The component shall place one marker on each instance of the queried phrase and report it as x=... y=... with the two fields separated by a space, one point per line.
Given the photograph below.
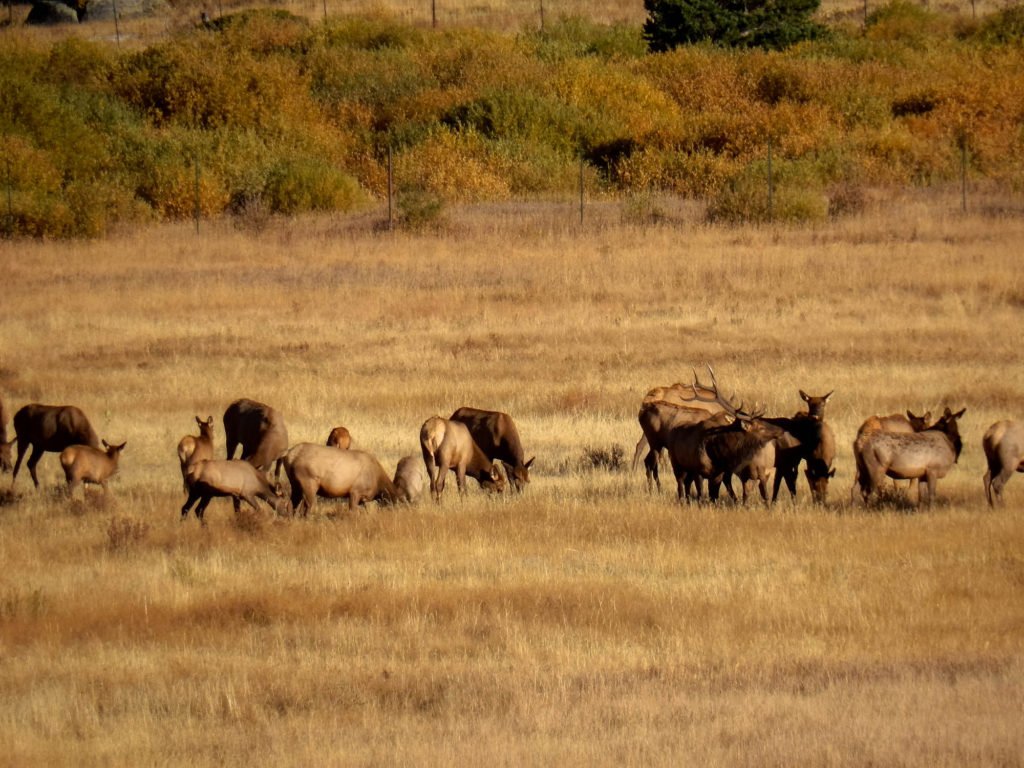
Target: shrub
x=419 y=209
x=745 y=198
x=298 y=185
x=754 y=23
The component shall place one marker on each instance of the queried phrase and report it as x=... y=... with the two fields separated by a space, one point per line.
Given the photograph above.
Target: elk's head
x=205 y=427
x=920 y=423
x=948 y=426
x=815 y=404
x=518 y=476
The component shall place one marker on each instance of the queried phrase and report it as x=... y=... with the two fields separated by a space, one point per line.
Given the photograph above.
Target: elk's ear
x=495 y=472
x=805 y=397
x=105 y=443
x=530 y=462
x=959 y=413
x=826 y=397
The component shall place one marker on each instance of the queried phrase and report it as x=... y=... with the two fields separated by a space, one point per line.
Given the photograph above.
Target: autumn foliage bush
x=300 y=114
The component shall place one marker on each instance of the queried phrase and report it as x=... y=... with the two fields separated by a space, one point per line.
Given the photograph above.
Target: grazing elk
x=49 y=428
x=447 y=444
x=232 y=477
x=496 y=435
x=926 y=455
x=259 y=429
x=195 y=448
x=409 y=479
x=1003 y=444
x=895 y=423
x=84 y=464
x=813 y=442
x=322 y=470
x=340 y=438
x=5 y=445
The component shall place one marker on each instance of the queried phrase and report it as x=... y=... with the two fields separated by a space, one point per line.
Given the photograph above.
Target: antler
x=736 y=412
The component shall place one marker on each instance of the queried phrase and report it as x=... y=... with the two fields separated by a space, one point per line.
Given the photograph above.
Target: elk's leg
x=193 y=497
x=33 y=459
x=201 y=509
x=998 y=482
x=651 y=467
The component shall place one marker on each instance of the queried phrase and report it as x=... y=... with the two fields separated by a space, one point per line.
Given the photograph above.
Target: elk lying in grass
x=232 y=477
x=340 y=438
x=5 y=445
x=84 y=464
x=409 y=479
x=1003 y=444
x=496 y=435
x=322 y=470
x=815 y=444
x=195 y=448
x=926 y=455
x=259 y=429
x=49 y=428
x=448 y=445
x=893 y=423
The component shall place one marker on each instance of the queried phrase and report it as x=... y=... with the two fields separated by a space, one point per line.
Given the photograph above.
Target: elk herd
x=707 y=438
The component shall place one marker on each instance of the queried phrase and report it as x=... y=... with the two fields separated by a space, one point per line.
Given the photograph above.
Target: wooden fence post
x=197 y=193
x=391 y=193
x=581 y=189
x=771 y=183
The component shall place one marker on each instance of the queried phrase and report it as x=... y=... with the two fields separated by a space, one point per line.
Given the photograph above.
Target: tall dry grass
x=586 y=621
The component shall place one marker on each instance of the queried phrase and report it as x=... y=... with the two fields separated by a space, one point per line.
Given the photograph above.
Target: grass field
x=585 y=622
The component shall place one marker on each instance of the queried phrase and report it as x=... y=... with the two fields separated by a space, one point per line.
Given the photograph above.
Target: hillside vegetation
x=263 y=110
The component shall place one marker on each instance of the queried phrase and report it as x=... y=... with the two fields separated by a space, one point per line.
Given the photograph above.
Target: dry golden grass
x=586 y=621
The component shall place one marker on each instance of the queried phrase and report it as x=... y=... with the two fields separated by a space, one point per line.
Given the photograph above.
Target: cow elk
x=1003 y=444
x=409 y=479
x=232 y=477
x=84 y=464
x=340 y=438
x=813 y=442
x=497 y=436
x=448 y=445
x=195 y=448
x=926 y=455
x=49 y=428
x=259 y=429
x=895 y=423
x=322 y=470
x=5 y=445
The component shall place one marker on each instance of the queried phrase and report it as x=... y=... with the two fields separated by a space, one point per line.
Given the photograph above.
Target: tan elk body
x=50 y=428
x=496 y=434
x=1003 y=444
x=409 y=479
x=6 y=446
x=260 y=431
x=322 y=470
x=927 y=455
x=228 y=477
x=447 y=445
x=84 y=464
x=195 y=448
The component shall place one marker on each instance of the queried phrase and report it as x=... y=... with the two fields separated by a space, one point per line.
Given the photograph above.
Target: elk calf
x=448 y=445
x=231 y=477
x=85 y=464
x=195 y=448
x=1003 y=444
